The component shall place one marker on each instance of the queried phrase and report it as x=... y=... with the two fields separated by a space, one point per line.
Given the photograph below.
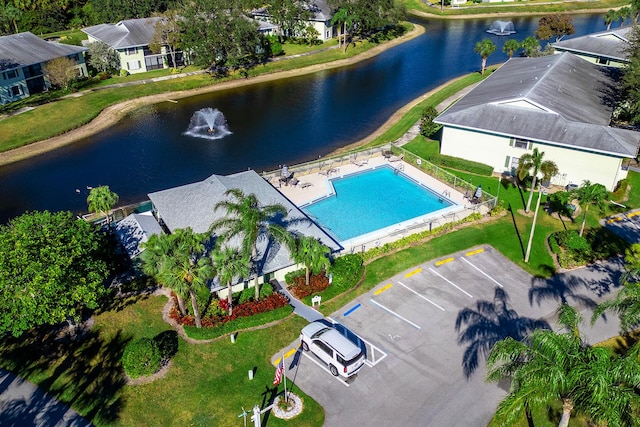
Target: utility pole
x=533 y=226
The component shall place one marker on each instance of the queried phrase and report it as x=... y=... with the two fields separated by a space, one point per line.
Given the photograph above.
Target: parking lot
x=416 y=375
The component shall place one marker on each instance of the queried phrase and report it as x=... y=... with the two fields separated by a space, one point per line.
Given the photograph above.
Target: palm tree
x=102 y=200
x=313 y=254
x=489 y=323
x=626 y=305
x=623 y=14
x=229 y=263
x=530 y=45
x=590 y=194
x=340 y=19
x=484 y=48
x=531 y=163
x=510 y=47
x=540 y=368
x=252 y=223
x=177 y=261
x=609 y=17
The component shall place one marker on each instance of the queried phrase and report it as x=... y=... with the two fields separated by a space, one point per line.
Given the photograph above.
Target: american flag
x=279 y=371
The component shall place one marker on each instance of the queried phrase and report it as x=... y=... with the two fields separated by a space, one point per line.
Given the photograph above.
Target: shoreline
x=116 y=112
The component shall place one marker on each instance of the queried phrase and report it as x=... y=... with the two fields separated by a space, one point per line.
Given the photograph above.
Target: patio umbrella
x=285 y=171
x=478 y=193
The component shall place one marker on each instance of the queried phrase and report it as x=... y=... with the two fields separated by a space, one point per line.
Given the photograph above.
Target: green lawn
x=206 y=385
x=531 y=6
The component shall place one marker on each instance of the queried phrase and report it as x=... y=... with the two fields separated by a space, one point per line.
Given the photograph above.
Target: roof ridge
x=550 y=68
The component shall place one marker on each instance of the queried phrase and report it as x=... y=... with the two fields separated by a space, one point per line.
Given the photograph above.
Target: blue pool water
x=372 y=200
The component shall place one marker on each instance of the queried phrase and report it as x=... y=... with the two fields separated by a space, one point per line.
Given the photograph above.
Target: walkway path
x=24 y=404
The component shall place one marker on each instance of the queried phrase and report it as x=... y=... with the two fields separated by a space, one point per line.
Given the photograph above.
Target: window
x=133 y=65
x=11 y=74
x=324 y=347
x=514 y=164
x=603 y=61
x=131 y=51
x=521 y=143
x=16 y=90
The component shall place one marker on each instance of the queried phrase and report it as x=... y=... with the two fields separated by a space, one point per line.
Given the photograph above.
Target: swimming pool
x=373 y=200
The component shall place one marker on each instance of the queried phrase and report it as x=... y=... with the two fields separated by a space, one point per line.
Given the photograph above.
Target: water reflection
x=273 y=123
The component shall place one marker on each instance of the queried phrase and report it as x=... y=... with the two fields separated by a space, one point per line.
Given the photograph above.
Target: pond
x=286 y=121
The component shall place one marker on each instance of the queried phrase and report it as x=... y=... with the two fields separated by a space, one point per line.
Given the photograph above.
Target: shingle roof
x=609 y=44
x=136 y=229
x=321 y=10
x=124 y=34
x=23 y=49
x=558 y=99
x=192 y=205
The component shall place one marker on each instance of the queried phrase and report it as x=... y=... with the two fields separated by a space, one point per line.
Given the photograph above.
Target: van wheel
x=333 y=370
x=305 y=346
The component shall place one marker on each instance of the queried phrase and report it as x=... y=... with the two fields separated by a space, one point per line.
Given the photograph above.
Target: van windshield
x=320 y=332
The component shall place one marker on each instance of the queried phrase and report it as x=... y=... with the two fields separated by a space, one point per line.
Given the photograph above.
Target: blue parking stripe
x=352 y=309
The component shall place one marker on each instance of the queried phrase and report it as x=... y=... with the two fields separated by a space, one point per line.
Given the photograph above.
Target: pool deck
x=313 y=186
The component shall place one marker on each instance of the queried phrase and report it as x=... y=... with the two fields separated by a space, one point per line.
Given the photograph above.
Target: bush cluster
x=317 y=283
x=346 y=271
x=219 y=316
x=574 y=251
x=141 y=357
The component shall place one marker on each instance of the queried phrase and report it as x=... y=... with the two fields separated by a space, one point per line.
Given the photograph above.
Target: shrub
x=103 y=75
x=215 y=308
x=167 y=343
x=621 y=190
x=266 y=290
x=460 y=164
x=124 y=73
x=246 y=295
x=289 y=278
x=427 y=126
x=347 y=271
x=141 y=357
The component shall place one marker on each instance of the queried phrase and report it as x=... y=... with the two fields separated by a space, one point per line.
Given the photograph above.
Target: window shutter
x=511 y=142
x=529 y=144
x=507 y=162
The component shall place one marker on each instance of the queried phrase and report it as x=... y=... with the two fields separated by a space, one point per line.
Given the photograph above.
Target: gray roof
x=607 y=44
x=321 y=10
x=136 y=229
x=193 y=205
x=560 y=99
x=124 y=34
x=23 y=49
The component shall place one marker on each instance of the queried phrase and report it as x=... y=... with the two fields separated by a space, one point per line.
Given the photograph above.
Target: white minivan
x=341 y=355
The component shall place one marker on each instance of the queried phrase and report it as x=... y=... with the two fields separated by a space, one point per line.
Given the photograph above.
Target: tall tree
x=177 y=261
x=540 y=368
x=610 y=17
x=531 y=46
x=102 y=57
x=630 y=86
x=510 y=47
x=590 y=194
x=531 y=164
x=52 y=268
x=484 y=48
x=289 y=15
x=61 y=72
x=167 y=35
x=251 y=222
x=101 y=200
x=229 y=264
x=219 y=36
x=313 y=254
x=555 y=26
x=623 y=14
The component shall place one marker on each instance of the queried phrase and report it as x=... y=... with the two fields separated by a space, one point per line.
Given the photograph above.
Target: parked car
x=341 y=355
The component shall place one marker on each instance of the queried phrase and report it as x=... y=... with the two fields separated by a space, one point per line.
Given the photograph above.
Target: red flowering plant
x=317 y=283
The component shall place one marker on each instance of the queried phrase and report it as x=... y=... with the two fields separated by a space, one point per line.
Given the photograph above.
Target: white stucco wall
x=593 y=59
x=574 y=165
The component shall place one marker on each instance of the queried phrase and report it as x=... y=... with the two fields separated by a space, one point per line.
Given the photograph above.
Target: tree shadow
x=488 y=323
x=515 y=227
x=560 y=288
x=87 y=373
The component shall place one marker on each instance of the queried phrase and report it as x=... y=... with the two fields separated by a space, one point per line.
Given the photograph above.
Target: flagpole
x=284 y=374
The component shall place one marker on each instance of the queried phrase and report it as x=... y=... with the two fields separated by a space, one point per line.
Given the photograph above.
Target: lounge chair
x=294 y=182
x=396 y=158
x=359 y=163
x=306 y=185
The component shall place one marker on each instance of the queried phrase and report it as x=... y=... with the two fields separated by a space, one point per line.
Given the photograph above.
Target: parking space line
x=287 y=355
x=411 y=273
x=451 y=283
x=485 y=274
x=352 y=309
x=382 y=289
x=444 y=261
x=421 y=296
x=324 y=368
x=633 y=214
x=395 y=314
x=477 y=251
x=376 y=360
